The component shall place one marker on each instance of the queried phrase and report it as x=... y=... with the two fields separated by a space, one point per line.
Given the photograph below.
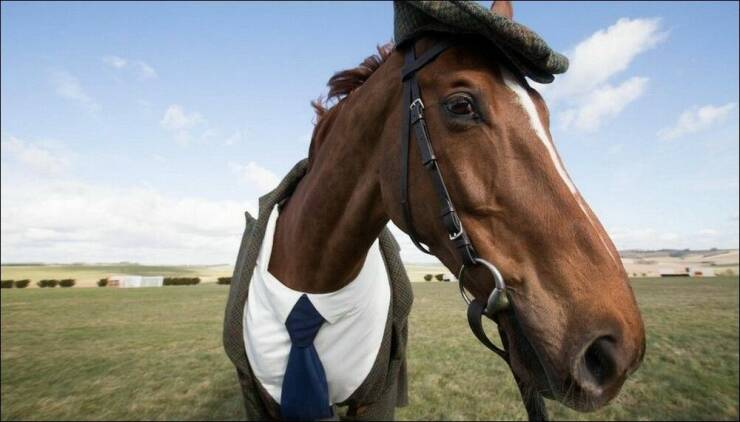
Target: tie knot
x=303 y=323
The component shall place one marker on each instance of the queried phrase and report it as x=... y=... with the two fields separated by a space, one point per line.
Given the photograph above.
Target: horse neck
x=336 y=212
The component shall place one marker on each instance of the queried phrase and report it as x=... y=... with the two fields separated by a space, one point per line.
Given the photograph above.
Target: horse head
x=573 y=330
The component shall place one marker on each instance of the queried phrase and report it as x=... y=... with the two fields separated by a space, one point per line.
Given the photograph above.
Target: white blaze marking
x=534 y=119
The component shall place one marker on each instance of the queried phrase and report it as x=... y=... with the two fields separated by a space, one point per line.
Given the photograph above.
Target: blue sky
x=141 y=132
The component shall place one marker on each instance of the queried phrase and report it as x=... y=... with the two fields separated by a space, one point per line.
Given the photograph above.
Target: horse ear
x=503 y=8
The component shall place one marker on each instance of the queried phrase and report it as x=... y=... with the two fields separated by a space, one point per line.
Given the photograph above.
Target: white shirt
x=347 y=343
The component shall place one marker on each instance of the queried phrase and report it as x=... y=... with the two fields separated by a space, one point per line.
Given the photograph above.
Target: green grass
x=157 y=354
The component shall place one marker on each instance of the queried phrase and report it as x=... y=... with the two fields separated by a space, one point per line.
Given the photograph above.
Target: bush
x=439 y=277
x=102 y=282
x=180 y=281
x=47 y=283
x=6 y=284
x=22 y=284
x=224 y=280
x=679 y=254
x=67 y=282
x=428 y=277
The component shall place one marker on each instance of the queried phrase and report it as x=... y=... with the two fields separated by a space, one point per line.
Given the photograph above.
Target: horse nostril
x=599 y=360
x=598 y=367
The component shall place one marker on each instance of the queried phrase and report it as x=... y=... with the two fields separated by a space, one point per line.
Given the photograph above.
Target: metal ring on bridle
x=497 y=300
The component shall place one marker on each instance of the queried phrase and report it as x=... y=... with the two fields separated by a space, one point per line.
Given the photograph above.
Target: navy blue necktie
x=305 y=394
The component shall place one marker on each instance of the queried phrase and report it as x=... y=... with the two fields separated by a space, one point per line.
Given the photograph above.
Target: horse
x=572 y=329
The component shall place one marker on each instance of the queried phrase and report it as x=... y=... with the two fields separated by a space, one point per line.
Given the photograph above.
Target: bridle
x=411 y=101
x=497 y=300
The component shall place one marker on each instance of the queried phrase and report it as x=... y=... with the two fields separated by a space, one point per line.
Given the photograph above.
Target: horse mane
x=341 y=85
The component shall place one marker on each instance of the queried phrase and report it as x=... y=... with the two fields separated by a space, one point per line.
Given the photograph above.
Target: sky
x=142 y=132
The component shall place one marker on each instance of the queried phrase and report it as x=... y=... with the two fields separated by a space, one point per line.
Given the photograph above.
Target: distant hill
x=644 y=253
x=645 y=263
x=704 y=262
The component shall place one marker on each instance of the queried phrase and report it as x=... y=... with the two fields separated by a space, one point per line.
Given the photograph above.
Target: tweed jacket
x=385 y=387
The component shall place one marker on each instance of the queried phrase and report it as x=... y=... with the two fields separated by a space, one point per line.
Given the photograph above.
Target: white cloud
x=145 y=105
x=697 y=119
x=67 y=86
x=602 y=103
x=190 y=126
x=176 y=118
x=179 y=122
x=144 y=71
x=585 y=90
x=209 y=134
x=141 y=68
x=234 y=139
x=605 y=54
x=35 y=157
x=115 y=61
x=708 y=232
x=70 y=221
x=60 y=219
x=255 y=175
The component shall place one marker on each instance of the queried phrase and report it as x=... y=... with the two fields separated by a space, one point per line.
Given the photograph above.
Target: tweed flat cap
x=526 y=50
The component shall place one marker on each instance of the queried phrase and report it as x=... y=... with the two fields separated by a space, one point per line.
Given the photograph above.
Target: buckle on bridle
x=416 y=103
x=454 y=236
x=457 y=229
x=417 y=108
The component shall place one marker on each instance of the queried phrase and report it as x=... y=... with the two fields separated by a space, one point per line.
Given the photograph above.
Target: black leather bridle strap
x=405 y=146
x=410 y=92
x=413 y=105
x=412 y=64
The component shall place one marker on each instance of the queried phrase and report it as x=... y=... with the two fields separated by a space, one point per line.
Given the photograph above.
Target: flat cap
x=525 y=50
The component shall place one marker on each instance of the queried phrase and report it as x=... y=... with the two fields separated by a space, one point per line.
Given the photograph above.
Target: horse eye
x=461 y=105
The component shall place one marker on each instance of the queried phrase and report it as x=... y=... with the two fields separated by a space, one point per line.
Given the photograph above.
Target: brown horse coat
x=385 y=387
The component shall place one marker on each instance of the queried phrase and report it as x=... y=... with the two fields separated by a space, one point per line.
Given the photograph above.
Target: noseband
x=497 y=300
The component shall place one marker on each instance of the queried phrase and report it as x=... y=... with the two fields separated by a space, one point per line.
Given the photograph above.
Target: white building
x=130 y=281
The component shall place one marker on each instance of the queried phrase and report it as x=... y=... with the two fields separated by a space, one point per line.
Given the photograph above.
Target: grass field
x=157 y=354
